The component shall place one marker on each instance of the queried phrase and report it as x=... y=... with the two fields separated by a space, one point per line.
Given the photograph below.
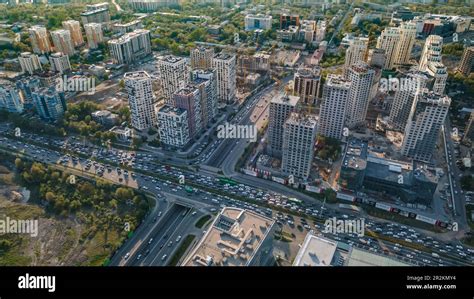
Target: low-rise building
x=364 y=169
x=105 y=117
x=259 y=21
x=319 y=251
x=122 y=134
x=237 y=237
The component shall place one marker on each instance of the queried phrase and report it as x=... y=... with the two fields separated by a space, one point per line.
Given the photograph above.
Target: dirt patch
x=59 y=241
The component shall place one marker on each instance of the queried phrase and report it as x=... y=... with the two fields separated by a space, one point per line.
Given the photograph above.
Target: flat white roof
x=315 y=251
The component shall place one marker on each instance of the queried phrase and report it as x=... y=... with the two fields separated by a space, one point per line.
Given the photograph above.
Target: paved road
x=459 y=202
x=341 y=23
x=144 y=181
x=154 y=246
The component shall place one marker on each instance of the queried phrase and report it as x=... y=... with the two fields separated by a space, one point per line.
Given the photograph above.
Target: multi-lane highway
x=163 y=238
x=454 y=174
x=166 y=191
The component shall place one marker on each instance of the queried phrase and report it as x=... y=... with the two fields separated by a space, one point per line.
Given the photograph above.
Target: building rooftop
x=101 y=113
x=361 y=67
x=92 y=12
x=26 y=54
x=202 y=48
x=338 y=81
x=170 y=58
x=300 y=119
x=309 y=72
x=422 y=173
x=358 y=257
x=389 y=170
x=136 y=75
x=356 y=155
x=224 y=56
x=170 y=110
x=262 y=55
x=127 y=36
x=232 y=240
x=286 y=100
x=187 y=90
x=437 y=68
x=321 y=251
x=431 y=97
x=131 y=23
x=260 y=16
x=57 y=55
x=316 y=251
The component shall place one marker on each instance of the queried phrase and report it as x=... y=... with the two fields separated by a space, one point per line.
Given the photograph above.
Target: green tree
x=122 y=194
x=19 y=164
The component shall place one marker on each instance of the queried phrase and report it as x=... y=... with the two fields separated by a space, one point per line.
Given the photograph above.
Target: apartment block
x=306 y=84
x=10 y=99
x=388 y=41
x=404 y=99
x=131 y=47
x=173 y=73
x=39 y=39
x=96 y=13
x=258 y=21
x=357 y=51
x=74 y=28
x=205 y=80
x=173 y=126
x=94 y=35
x=201 y=57
x=225 y=65
x=140 y=98
x=281 y=107
x=333 y=106
x=59 y=62
x=426 y=118
x=361 y=77
x=62 y=41
x=50 y=104
x=431 y=52
x=29 y=63
x=299 y=137
x=467 y=61
x=189 y=98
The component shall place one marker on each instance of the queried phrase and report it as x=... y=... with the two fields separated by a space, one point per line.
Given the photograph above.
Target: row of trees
x=77 y=119
x=28 y=124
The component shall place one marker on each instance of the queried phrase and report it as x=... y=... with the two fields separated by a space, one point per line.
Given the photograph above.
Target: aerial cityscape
x=236 y=133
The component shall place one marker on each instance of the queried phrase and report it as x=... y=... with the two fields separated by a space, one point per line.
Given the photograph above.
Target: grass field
x=181 y=250
x=204 y=219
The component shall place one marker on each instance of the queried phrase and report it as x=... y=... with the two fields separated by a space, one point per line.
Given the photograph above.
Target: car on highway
x=127 y=255
x=164 y=257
